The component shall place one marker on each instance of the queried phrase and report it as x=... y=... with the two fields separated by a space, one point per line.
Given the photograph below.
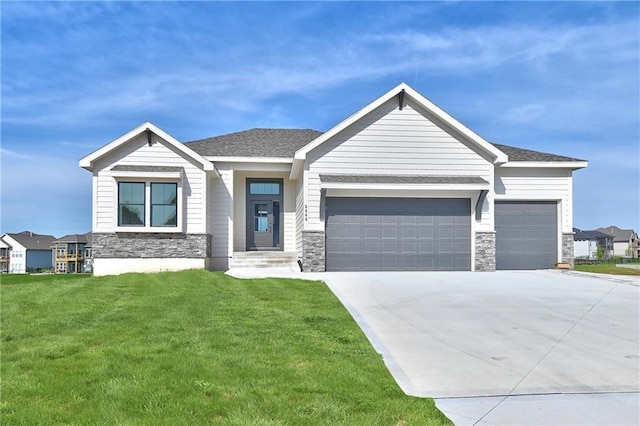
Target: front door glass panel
x=261 y=218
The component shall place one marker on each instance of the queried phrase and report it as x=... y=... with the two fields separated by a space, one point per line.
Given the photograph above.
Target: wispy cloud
x=8 y=154
x=560 y=78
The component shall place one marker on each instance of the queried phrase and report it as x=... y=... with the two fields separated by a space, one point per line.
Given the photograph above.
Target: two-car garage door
x=398 y=234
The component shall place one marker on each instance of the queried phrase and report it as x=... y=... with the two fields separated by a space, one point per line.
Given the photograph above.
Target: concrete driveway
x=508 y=347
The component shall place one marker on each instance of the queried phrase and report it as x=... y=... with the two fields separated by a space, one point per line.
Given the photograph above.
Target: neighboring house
x=29 y=252
x=586 y=243
x=72 y=253
x=399 y=185
x=5 y=251
x=625 y=241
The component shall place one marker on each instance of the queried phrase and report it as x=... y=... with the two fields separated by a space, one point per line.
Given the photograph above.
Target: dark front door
x=264 y=214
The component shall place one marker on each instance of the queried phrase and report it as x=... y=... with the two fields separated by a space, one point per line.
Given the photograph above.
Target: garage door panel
x=412 y=234
x=526 y=234
x=426 y=247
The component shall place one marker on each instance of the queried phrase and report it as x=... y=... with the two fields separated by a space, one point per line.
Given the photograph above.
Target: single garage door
x=378 y=234
x=526 y=234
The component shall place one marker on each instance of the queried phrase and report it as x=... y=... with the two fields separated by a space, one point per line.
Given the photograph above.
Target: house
x=72 y=253
x=625 y=241
x=28 y=252
x=5 y=251
x=399 y=185
x=586 y=244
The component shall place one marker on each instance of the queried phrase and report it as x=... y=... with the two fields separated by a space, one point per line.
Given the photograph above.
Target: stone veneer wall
x=567 y=248
x=151 y=245
x=485 y=251
x=313 y=251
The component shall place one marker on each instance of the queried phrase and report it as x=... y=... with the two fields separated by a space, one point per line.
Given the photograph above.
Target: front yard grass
x=187 y=348
x=607 y=269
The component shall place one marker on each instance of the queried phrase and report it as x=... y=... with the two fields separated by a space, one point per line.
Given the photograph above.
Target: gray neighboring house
x=72 y=254
x=586 y=244
x=28 y=252
x=625 y=241
x=399 y=185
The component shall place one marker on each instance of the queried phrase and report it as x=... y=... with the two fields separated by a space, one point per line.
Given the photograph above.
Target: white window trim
x=147 y=228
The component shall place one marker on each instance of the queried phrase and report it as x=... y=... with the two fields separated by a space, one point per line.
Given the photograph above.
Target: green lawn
x=190 y=348
x=607 y=269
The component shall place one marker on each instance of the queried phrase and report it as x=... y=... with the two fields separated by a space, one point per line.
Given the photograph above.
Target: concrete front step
x=263 y=259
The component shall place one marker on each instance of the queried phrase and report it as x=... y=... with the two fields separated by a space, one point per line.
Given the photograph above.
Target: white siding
x=538 y=184
x=620 y=248
x=222 y=219
x=585 y=249
x=390 y=141
x=299 y=214
x=139 y=153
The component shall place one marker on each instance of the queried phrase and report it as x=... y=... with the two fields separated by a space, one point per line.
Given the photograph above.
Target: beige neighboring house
x=625 y=241
x=399 y=185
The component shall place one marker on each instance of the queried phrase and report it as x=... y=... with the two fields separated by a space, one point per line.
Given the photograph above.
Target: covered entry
x=526 y=234
x=398 y=234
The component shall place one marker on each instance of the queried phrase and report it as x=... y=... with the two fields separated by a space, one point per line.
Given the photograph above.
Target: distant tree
x=599 y=253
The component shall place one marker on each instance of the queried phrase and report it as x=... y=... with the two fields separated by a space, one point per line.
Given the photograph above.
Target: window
x=131 y=203
x=261 y=218
x=264 y=188
x=148 y=205
x=164 y=204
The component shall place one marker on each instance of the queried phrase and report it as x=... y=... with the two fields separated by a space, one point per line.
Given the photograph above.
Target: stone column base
x=567 y=248
x=313 y=250
x=485 y=251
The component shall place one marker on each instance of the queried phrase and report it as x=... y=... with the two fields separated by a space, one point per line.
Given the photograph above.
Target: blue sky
x=560 y=77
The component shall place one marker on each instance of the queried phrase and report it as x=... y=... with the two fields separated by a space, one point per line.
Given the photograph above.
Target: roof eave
x=497 y=157
x=573 y=165
x=88 y=161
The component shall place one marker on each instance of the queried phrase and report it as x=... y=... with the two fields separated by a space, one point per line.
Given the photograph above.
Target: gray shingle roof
x=521 y=154
x=619 y=235
x=255 y=143
x=401 y=179
x=33 y=241
x=582 y=235
x=75 y=238
x=285 y=142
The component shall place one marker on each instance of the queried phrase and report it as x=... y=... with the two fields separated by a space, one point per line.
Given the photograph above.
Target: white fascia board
x=499 y=156
x=406 y=186
x=87 y=162
x=574 y=165
x=525 y=197
x=13 y=243
x=3 y=243
x=226 y=159
x=296 y=169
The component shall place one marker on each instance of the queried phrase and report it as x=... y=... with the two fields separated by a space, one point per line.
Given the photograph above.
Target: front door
x=264 y=214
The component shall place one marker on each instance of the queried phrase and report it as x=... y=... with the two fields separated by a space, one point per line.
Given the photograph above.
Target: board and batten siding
x=536 y=184
x=390 y=141
x=138 y=153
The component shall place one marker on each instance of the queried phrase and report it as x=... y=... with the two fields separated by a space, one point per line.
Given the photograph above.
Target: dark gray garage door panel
x=526 y=234
x=398 y=234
